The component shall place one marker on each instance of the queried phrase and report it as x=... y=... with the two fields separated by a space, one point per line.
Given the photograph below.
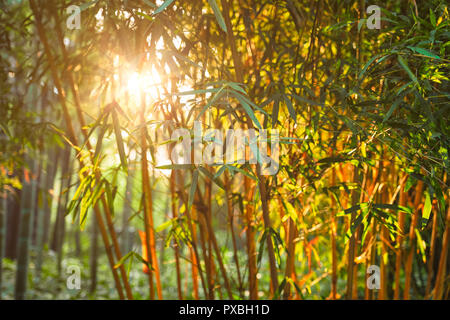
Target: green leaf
x=366 y=66
x=426 y=210
x=119 y=140
x=211 y=177
x=147 y=2
x=175 y=167
x=280 y=289
x=308 y=101
x=86 y=5
x=141 y=259
x=84 y=208
x=392 y=207
x=240 y=97
x=408 y=70
x=146 y=16
x=99 y=144
x=254 y=148
x=163 y=6
x=194 y=92
x=249 y=111
x=357 y=222
x=261 y=247
x=275 y=109
x=392 y=109
x=211 y=101
x=432 y=18
x=237 y=87
x=185 y=59
x=220 y=171
x=109 y=197
x=218 y=14
x=193 y=188
x=424 y=52
x=123 y=259
x=422 y=245
x=233 y=168
x=291 y=109
x=349 y=210
x=165 y=225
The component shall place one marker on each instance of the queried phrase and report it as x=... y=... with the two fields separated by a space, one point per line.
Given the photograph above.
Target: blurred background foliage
x=86 y=117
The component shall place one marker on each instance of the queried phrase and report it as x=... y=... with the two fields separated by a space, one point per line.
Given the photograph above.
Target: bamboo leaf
x=165 y=225
x=123 y=259
x=210 y=102
x=220 y=171
x=391 y=110
x=432 y=18
x=233 y=168
x=422 y=245
x=366 y=66
x=291 y=109
x=211 y=177
x=426 y=210
x=163 y=6
x=218 y=14
x=175 y=166
x=408 y=70
x=193 y=188
x=262 y=242
x=119 y=140
x=275 y=109
x=86 y=5
x=249 y=111
x=424 y=52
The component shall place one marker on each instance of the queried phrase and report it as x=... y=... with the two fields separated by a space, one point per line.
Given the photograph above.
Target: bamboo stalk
x=28 y=198
x=82 y=122
x=148 y=219
x=333 y=232
x=261 y=179
x=196 y=261
x=193 y=249
x=431 y=254
x=207 y=235
x=219 y=258
x=441 y=274
x=3 y=210
x=127 y=208
x=72 y=136
x=250 y=239
x=382 y=294
x=400 y=236
x=52 y=167
x=206 y=259
x=42 y=216
x=93 y=257
x=412 y=239
x=176 y=248
x=62 y=222
x=59 y=226
x=231 y=226
x=289 y=270
x=352 y=243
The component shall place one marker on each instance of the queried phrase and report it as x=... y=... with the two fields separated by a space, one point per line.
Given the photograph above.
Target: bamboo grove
x=87 y=117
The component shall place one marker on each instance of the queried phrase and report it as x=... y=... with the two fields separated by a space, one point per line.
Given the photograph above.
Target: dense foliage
x=87 y=118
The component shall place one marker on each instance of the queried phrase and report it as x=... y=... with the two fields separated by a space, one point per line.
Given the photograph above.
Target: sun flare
x=148 y=83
